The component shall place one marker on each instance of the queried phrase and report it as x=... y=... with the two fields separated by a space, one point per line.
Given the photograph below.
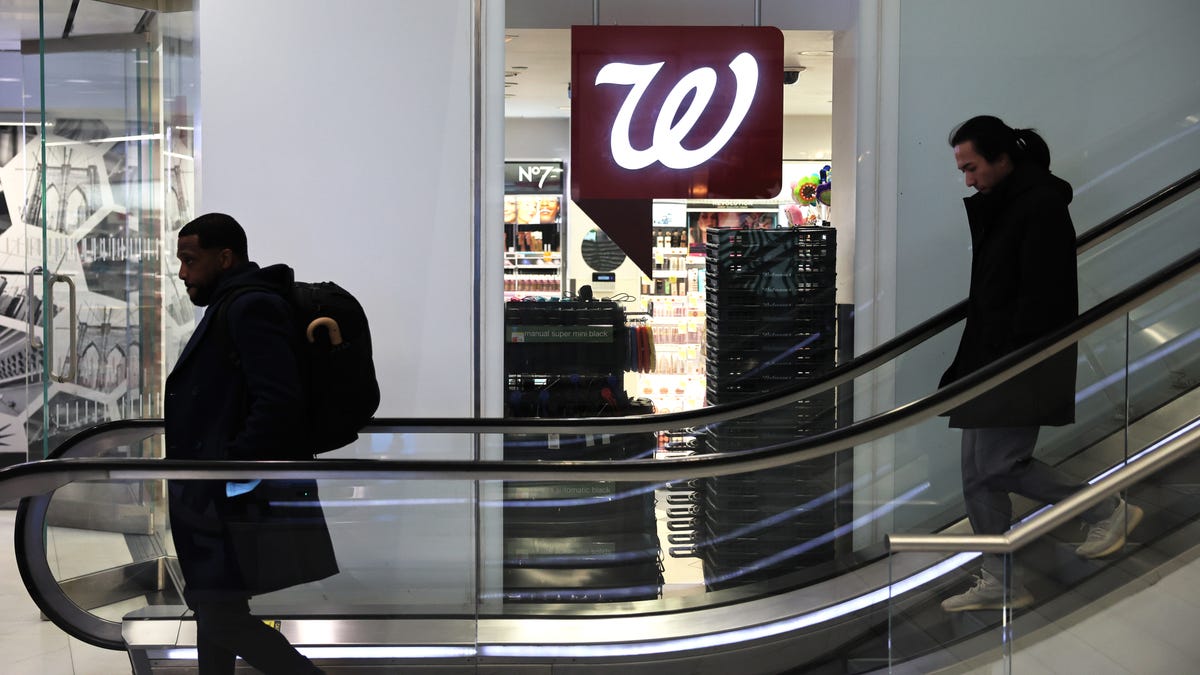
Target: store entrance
x=555 y=251
x=742 y=297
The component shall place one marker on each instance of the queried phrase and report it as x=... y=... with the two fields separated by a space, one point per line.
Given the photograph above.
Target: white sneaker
x=988 y=593
x=1108 y=536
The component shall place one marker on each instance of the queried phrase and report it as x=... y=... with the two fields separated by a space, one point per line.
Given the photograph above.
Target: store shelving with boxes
x=677 y=382
x=673 y=301
x=532 y=273
x=675 y=273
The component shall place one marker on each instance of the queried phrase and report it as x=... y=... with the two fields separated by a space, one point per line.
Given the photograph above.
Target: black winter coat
x=1023 y=286
x=236 y=393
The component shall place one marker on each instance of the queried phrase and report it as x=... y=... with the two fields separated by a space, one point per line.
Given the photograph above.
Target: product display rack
x=575 y=541
x=675 y=273
x=532 y=273
x=533 y=229
x=677 y=382
x=771 y=322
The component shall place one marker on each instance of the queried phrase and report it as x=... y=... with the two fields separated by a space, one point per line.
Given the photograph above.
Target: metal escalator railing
x=46 y=475
x=1170 y=449
x=124 y=433
x=43 y=477
x=1045 y=582
x=846 y=372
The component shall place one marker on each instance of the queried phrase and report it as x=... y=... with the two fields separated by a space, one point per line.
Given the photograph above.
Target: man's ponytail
x=1032 y=147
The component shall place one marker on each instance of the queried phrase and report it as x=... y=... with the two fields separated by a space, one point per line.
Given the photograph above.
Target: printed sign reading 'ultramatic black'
x=672 y=112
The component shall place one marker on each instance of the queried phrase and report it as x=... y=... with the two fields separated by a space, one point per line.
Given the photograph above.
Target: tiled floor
x=1147 y=629
x=30 y=646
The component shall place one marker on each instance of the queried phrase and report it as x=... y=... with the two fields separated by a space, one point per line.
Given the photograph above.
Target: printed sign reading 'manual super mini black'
x=672 y=112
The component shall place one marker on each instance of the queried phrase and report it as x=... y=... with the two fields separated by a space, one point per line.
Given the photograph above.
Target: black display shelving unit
x=771 y=322
x=592 y=541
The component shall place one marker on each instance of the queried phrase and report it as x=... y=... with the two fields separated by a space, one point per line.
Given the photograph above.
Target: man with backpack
x=238 y=392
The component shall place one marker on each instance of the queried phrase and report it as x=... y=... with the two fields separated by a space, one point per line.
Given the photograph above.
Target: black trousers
x=225 y=630
x=997 y=461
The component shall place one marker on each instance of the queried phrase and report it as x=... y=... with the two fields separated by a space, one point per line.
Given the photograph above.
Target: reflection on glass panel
x=180 y=94
x=107 y=542
x=1164 y=362
x=87 y=197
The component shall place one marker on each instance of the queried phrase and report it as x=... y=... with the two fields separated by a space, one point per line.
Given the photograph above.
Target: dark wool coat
x=236 y=393
x=1023 y=286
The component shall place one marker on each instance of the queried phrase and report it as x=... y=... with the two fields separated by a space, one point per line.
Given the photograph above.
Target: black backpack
x=336 y=366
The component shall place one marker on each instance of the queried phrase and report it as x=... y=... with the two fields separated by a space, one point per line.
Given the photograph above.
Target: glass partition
x=782 y=543
x=1053 y=600
x=929 y=452
x=95 y=214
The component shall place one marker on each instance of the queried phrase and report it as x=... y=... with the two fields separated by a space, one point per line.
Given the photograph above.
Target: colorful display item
x=805 y=190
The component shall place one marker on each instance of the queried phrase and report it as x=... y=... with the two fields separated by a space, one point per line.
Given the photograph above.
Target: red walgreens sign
x=673 y=112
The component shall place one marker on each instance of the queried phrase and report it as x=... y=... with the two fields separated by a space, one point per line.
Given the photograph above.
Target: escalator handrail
x=841 y=374
x=40 y=477
x=1146 y=207
x=1170 y=449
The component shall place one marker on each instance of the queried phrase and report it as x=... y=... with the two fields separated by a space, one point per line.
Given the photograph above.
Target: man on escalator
x=236 y=394
x=1023 y=286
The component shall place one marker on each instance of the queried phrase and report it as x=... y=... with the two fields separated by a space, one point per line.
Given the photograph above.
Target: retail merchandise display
x=676 y=383
x=675 y=273
x=533 y=226
x=577 y=541
x=811 y=197
x=740 y=300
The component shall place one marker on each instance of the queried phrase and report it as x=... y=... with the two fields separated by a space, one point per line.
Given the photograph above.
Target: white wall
x=351 y=154
x=1111 y=85
x=537 y=138
x=347 y=153
x=807 y=137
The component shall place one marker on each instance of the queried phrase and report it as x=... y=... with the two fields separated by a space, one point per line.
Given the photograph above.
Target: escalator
x=858 y=611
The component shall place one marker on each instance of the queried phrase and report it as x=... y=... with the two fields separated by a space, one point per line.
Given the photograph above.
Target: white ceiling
x=19 y=20
x=538 y=67
x=537 y=60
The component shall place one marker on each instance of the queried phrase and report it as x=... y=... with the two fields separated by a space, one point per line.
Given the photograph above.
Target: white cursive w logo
x=667 y=145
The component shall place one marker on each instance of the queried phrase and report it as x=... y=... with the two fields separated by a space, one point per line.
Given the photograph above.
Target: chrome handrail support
x=73 y=331
x=1167 y=450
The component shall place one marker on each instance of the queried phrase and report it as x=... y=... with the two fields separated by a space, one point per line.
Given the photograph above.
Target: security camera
x=791 y=74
